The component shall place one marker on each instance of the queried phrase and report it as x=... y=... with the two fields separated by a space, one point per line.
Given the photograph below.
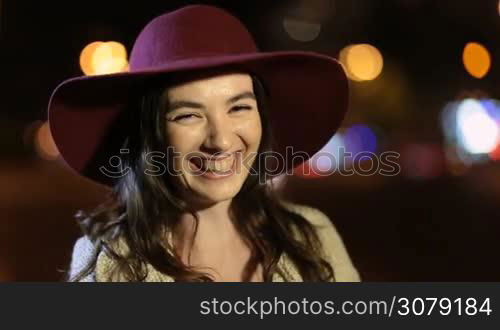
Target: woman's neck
x=215 y=230
x=217 y=247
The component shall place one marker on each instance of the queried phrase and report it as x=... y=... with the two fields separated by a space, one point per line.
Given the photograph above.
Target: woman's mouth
x=214 y=168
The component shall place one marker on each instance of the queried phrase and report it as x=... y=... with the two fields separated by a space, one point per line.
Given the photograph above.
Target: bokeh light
x=44 y=143
x=476 y=59
x=495 y=154
x=103 y=58
x=479 y=133
x=324 y=162
x=86 y=57
x=301 y=30
x=360 y=138
x=342 y=149
x=472 y=130
x=363 y=62
x=304 y=18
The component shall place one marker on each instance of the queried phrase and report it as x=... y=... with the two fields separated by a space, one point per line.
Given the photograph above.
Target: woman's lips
x=214 y=168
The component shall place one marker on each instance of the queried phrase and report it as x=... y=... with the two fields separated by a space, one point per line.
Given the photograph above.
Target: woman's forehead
x=221 y=85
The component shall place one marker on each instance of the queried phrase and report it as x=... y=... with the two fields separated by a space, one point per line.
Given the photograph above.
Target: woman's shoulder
x=313 y=215
x=331 y=241
x=83 y=252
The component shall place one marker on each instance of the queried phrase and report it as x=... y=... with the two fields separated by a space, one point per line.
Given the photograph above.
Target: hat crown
x=190 y=32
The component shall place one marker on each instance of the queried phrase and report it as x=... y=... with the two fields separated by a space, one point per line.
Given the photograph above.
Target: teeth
x=223 y=165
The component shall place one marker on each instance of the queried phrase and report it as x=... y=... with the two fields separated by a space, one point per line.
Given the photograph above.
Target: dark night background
x=409 y=227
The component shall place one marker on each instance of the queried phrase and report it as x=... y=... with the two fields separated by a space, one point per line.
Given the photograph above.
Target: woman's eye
x=241 y=107
x=184 y=117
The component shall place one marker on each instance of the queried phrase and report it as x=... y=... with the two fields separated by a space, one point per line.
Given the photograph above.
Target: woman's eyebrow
x=240 y=96
x=174 y=105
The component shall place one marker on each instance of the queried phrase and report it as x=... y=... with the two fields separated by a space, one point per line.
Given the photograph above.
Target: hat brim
x=308 y=98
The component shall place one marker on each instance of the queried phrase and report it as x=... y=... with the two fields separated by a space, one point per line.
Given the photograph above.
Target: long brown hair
x=142 y=208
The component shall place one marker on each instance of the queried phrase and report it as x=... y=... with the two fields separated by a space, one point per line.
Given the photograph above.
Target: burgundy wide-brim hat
x=308 y=92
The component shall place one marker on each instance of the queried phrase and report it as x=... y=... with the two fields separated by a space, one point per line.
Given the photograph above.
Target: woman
x=192 y=123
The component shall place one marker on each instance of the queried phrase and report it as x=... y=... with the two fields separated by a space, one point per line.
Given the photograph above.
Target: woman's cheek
x=251 y=131
x=184 y=139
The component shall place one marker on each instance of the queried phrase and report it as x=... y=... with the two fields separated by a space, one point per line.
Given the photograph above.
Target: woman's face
x=214 y=126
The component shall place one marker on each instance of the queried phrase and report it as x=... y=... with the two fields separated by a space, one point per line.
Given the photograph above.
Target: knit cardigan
x=334 y=252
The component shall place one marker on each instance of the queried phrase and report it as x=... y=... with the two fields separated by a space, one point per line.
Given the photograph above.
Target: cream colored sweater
x=334 y=252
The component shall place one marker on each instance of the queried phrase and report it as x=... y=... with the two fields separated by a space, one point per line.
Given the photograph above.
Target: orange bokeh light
x=44 y=143
x=476 y=59
x=103 y=58
x=362 y=62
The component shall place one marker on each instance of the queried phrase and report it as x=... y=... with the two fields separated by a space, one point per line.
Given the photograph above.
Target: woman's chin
x=217 y=196
x=216 y=193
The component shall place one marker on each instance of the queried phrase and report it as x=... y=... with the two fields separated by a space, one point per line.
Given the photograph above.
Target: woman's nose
x=219 y=135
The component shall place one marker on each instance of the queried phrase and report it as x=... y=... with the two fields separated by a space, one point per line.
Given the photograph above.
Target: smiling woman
x=213 y=113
